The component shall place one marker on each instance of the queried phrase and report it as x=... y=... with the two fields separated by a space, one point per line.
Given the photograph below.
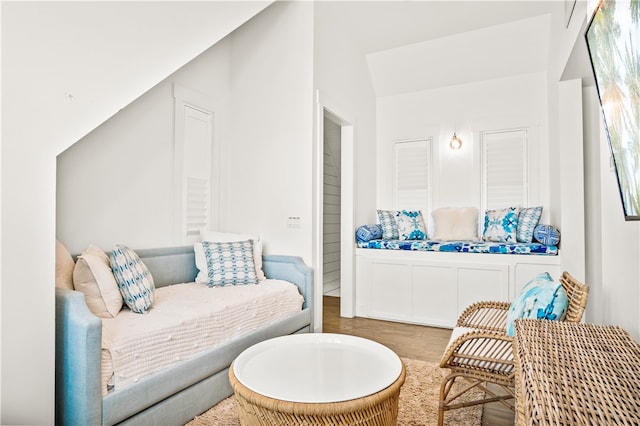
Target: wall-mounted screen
x=613 y=40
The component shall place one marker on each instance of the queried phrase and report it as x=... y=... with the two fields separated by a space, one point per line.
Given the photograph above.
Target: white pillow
x=228 y=237
x=64 y=267
x=455 y=224
x=92 y=276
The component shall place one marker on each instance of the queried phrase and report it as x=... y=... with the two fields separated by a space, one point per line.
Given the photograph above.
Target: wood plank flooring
x=407 y=340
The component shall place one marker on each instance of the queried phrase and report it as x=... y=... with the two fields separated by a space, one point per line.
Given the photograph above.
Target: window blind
x=412 y=175
x=504 y=168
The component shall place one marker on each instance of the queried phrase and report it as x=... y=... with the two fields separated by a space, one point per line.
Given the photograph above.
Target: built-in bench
x=431 y=283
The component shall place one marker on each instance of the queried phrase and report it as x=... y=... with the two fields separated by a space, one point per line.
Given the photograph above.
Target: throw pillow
x=92 y=276
x=226 y=237
x=410 y=225
x=64 y=267
x=387 y=219
x=369 y=232
x=455 y=224
x=527 y=222
x=133 y=278
x=540 y=298
x=547 y=235
x=228 y=262
x=500 y=225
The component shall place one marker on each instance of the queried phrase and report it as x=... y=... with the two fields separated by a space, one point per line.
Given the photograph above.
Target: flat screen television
x=613 y=42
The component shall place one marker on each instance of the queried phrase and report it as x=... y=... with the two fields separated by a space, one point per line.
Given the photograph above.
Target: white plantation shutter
x=412 y=175
x=504 y=168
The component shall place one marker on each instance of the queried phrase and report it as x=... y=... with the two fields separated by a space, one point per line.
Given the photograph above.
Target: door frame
x=339 y=115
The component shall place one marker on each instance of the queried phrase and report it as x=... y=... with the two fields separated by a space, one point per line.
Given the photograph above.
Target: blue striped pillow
x=134 y=279
x=230 y=263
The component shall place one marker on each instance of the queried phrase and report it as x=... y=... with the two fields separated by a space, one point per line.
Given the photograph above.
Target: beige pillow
x=230 y=237
x=92 y=276
x=455 y=224
x=64 y=267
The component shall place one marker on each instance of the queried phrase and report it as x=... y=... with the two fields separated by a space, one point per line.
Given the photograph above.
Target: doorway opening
x=337 y=242
x=331 y=202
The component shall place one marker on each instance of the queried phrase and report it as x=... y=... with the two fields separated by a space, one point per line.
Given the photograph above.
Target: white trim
x=184 y=96
x=338 y=113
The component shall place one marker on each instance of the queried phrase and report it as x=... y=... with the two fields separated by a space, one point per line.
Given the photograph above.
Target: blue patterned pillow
x=547 y=235
x=387 y=219
x=410 y=225
x=230 y=263
x=540 y=298
x=366 y=233
x=527 y=222
x=501 y=225
x=134 y=279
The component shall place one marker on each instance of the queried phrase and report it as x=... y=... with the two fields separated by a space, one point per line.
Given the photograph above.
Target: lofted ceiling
x=417 y=45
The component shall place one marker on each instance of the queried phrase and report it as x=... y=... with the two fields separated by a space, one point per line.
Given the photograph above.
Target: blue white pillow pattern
x=547 y=235
x=501 y=225
x=387 y=219
x=230 y=263
x=540 y=298
x=410 y=225
x=134 y=279
x=527 y=222
x=368 y=232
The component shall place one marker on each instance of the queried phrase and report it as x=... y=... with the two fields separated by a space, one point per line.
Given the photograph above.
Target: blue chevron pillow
x=527 y=222
x=387 y=219
x=134 y=279
x=369 y=232
x=229 y=263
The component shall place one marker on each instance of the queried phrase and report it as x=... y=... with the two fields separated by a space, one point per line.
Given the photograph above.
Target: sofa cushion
x=500 y=225
x=387 y=219
x=221 y=237
x=527 y=222
x=227 y=263
x=92 y=276
x=455 y=224
x=64 y=267
x=540 y=298
x=411 y=225
x=133 y=278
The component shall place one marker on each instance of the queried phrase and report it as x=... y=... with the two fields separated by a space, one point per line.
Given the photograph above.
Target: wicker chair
x=481 y=353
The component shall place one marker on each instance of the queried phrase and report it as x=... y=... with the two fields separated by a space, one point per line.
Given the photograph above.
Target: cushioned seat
x=481 y=351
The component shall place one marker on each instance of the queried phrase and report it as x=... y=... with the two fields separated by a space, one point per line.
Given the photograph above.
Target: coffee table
x=317 y=379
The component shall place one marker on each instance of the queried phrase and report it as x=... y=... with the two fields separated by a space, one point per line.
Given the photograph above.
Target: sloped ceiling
x=75 y=64
x=415 y=45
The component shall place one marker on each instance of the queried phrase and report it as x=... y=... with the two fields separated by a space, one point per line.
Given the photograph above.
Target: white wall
x=114 y=186
x=268 y=176
x=92 y=51
x=469 y=108
x=341 y=74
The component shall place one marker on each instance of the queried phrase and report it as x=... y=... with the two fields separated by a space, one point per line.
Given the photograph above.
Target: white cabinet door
x=482 y=283
x=434 y=295
x=391 y=291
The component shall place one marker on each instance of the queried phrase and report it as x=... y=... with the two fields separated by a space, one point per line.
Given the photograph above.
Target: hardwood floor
x=408 y=341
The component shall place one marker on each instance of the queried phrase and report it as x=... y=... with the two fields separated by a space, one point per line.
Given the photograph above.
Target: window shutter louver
x=412 y=172
x=504 y=168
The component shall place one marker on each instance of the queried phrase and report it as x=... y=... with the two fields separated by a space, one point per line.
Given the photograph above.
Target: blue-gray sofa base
x=179 y=393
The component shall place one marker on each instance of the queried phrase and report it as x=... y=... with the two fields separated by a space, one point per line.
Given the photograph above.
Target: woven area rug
x=418 y=402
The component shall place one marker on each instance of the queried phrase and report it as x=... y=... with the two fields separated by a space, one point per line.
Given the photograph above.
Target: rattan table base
x=379 y=409
x=576 y=374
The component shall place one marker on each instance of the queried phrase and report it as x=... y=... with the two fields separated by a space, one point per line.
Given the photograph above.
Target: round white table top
x=317 y=367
